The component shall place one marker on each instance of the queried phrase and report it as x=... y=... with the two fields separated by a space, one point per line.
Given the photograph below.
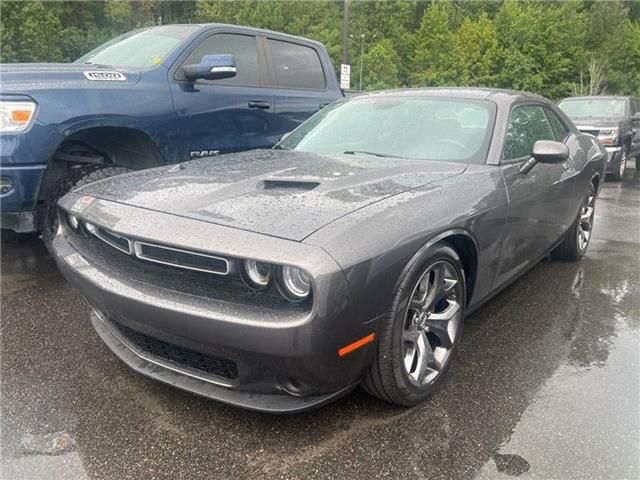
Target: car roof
x=460 y=92
x=241 y=27
x=587 y=97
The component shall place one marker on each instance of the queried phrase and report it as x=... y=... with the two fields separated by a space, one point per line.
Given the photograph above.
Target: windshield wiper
x=375 y=154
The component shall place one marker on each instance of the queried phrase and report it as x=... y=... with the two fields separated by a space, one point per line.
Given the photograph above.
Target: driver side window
x=242 y=47
x=527 y=125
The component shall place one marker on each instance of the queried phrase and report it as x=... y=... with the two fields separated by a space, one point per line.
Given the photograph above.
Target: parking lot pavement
x=545 y=385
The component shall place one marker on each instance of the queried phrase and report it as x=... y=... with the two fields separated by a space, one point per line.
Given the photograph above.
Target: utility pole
x=361 y=59
x=345 y=33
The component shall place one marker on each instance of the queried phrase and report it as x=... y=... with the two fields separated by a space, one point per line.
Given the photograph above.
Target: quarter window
x=560 y=130
x=527 y=125
x=244 y=50
x=296 y=66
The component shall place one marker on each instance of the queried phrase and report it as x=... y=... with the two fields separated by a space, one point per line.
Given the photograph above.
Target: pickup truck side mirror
x=211 y=67
x=546 y=151
x=635 y=117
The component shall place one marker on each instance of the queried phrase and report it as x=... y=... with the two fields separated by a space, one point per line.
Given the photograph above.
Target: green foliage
x=541 y=46
x=432 y=59
x=381 y=68
x=475 y=49
x=624 y=74
x=29 y=32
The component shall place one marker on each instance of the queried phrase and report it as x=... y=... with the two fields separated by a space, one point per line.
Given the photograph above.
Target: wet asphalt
x=546 y=385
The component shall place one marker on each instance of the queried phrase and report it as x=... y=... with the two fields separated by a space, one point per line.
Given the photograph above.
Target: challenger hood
x=281 y=193
x=35 y=76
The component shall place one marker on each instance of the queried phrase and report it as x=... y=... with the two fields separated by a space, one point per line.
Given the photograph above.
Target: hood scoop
x=285 y=184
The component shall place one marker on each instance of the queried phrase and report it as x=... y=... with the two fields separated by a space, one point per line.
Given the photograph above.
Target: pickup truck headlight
x=609 y=136
x=16 y=116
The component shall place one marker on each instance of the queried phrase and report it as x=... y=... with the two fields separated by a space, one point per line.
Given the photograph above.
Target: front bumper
x=19 y=200
x=19 y=222
x=185 y=380
x=613 y=157
x=286 y=361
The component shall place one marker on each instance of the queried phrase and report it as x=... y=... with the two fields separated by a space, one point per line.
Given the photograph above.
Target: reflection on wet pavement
x=545 y=385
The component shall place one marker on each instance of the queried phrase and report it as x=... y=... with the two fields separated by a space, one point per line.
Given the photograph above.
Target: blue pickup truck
x=152 y=96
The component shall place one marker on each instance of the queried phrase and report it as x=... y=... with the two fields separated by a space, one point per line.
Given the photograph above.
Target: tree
x=432 y=61
x=544 y=47
x=624 y=74
x=474 y=52
x=594 y=83
x=380 y=67
x=540 y=46
x=29 y=32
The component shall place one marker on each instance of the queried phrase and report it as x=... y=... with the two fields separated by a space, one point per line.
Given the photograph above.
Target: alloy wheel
x=431 y=323
x=585 y=223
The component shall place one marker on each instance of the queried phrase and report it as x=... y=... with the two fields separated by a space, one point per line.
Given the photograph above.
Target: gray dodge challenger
x=349 y=254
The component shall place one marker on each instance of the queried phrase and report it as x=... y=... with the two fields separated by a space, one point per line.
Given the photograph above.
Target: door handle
x=259 y=104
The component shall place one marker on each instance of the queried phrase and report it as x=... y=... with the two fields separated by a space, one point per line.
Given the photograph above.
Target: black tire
x=48 y=218
x=571 y=247
x=388 y=377
x=621 y=164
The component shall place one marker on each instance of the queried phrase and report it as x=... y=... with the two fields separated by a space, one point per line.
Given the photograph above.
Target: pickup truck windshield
x=594 y=107
x=139 y=49
x=413 y=127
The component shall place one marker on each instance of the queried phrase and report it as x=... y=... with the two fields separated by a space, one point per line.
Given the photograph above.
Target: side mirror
x=211 y=67
x=546 y=151
x=635 y=117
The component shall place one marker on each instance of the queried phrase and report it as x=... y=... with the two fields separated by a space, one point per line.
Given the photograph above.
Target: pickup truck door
x=301 y=82
x=233 y=114
x=541 y=202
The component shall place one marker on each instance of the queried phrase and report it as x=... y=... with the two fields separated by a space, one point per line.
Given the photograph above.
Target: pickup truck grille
x=591 y=131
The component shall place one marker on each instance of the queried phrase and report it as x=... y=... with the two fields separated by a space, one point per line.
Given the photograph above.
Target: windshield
x=594 y=107
x=140 y=48
x=414 y=127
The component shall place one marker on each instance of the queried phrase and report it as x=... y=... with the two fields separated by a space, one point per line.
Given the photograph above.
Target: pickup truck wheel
x=621 y=165
x=48 y=218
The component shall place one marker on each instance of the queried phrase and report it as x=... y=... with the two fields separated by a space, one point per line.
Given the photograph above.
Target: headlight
x=73 y=221
x=16 y=116
x=90 y=227
x=256 y=275
x=608 y=136
x=294 y=284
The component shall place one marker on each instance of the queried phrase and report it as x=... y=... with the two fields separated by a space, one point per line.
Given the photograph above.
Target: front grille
x=208 y=277
x=116 y=241
x=179 y=356
x=176 y=257
x=594 y=132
